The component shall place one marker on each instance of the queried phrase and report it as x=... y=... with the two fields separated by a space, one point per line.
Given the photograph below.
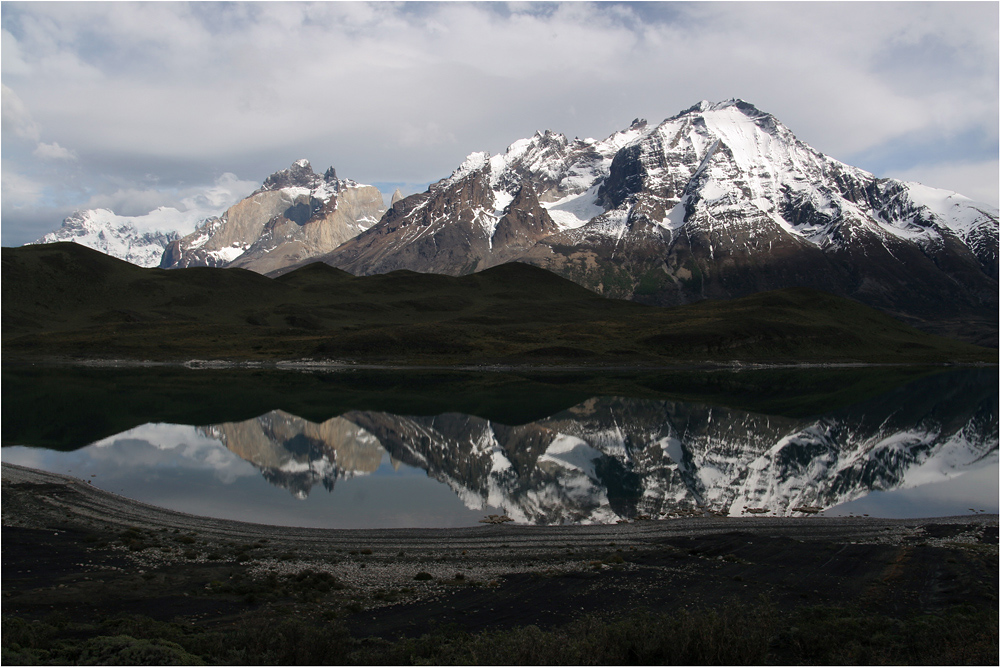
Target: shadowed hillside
x=69 y=301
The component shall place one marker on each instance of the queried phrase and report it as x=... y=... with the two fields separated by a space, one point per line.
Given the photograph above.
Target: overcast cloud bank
x=136 y=106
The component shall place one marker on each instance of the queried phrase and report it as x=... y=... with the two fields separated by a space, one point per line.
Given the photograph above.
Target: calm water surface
x=543 y=450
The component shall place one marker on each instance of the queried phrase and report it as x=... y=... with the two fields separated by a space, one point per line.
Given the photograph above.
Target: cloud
x=976 y=180
x=226 y=191
x=430 y=134
x=18 y=190
x=404 y=91
x=53 y=151
x=174 y=210
x=16 y=119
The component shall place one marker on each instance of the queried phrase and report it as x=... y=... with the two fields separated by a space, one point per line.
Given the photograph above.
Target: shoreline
x=75 y=553
x=303 y=365
x=34 y=499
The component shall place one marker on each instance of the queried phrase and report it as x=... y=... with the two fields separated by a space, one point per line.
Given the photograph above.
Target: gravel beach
x=75 y=549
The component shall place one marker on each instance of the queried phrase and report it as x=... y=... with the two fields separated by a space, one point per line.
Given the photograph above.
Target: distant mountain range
x=717 y=202
x=115 y=235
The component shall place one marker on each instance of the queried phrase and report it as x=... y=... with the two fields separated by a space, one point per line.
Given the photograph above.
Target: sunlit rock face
x=608 y=459
x=295 y=215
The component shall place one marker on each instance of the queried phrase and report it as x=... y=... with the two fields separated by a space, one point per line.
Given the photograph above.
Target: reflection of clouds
x=27 y=457
x=168 y=446
x=604 y=459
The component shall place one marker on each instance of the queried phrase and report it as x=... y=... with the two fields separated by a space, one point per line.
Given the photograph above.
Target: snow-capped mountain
x=491 y=210
x=718 y=201
x=611 y=458
x=295 y=215
x=117 y=235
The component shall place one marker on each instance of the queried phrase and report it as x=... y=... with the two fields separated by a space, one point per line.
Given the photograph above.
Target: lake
x=365 y=448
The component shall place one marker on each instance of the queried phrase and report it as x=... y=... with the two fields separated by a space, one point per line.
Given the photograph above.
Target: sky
x=135 y=106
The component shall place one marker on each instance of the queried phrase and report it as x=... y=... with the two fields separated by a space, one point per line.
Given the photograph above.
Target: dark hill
x=315 y=275
x=67 y=300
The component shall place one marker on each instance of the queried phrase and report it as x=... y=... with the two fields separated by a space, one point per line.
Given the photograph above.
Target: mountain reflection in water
x=612 y=458
x=606 y=458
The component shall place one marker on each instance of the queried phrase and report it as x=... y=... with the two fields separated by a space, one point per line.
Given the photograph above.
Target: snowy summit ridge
x=120 y=236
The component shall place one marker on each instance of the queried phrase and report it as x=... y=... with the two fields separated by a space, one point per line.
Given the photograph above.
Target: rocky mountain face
x=719 y=201
x=114 y=235
x=619 y=458
x=296 y=215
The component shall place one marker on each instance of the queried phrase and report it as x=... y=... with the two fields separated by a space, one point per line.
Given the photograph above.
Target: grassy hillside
x=67 y=300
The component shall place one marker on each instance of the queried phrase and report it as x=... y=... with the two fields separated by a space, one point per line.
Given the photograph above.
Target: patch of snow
x=228 y=254
x=501 y=200
x=474 y=162
x=575 y=210
x=571 y=452
x=952 y=210
x=294 y=192
x=674 y=449
x=499 y=462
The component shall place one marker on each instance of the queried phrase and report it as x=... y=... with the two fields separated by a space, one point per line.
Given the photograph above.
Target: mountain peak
x=474 y=162
x=300 y=174
x=705 y=106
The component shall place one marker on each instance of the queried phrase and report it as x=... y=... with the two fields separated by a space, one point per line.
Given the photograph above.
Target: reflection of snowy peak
x=611 y=458
x=118 y=235
x=295 y=215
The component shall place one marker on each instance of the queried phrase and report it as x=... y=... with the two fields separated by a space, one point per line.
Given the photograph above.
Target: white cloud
x=976 y=180
x=18 y=190
x=53 y=151
x=174 y=210
x=226 y=191
x=10 y=55
x=404 y=91
x=16 y=119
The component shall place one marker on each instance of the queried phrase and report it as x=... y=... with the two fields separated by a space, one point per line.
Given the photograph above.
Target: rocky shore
x=75 y=549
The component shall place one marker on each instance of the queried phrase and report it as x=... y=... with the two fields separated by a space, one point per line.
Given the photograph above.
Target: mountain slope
x=719 y=201
x=65 y=299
